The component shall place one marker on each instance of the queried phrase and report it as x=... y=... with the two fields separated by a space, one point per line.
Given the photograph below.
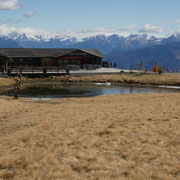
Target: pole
x=6 y=67
x=142 y=65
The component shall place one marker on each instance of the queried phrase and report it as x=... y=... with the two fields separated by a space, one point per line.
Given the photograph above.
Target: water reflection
x=49 y=91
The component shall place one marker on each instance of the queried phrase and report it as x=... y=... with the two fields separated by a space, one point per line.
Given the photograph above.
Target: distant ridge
x=6 y=42
x=167 y=55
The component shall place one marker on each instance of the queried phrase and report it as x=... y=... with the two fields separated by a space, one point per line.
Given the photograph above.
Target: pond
x=64 y=90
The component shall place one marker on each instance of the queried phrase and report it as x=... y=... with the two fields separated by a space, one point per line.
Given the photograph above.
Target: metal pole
x=6 y=67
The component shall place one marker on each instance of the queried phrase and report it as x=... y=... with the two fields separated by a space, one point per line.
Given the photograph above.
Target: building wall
x=52 y=62
x=80 y=59
x=3 y=65
x=48 y=62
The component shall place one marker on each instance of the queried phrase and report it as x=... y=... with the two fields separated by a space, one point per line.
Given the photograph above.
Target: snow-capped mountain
x=8 y=42
x=106 y=44
x=30 y=41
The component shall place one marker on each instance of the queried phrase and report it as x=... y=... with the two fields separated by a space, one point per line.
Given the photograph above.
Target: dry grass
x=146 y=79
x=129 y=136
x=5 y=82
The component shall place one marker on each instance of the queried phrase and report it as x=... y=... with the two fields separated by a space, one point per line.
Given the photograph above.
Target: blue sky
x=90 y=17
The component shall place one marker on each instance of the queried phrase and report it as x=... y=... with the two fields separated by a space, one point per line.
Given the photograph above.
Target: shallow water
x=48 y=91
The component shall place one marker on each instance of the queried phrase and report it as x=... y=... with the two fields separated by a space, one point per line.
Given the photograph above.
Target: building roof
x=54 y=53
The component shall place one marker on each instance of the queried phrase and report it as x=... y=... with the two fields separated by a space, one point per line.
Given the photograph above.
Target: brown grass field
x=145 y=79
x=127 y=136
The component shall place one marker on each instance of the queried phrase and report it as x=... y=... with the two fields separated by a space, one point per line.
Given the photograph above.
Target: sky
x=84 y=18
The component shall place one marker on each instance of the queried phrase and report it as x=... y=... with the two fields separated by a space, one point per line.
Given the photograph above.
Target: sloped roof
x=94 y=52
x=27 y=52
x=2 y=54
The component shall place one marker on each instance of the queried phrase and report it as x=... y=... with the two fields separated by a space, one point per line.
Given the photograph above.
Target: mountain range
x=166 y=55
x=125 y=51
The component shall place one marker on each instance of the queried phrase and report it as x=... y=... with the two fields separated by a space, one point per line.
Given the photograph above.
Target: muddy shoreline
x=152 y=81
x=24 y=84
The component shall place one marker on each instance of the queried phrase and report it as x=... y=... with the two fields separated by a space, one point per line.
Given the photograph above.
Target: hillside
x=166 y=55
x=6 y=42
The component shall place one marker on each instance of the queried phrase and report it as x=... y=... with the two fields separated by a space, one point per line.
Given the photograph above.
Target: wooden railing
x=49 y=69
x=35 y=70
